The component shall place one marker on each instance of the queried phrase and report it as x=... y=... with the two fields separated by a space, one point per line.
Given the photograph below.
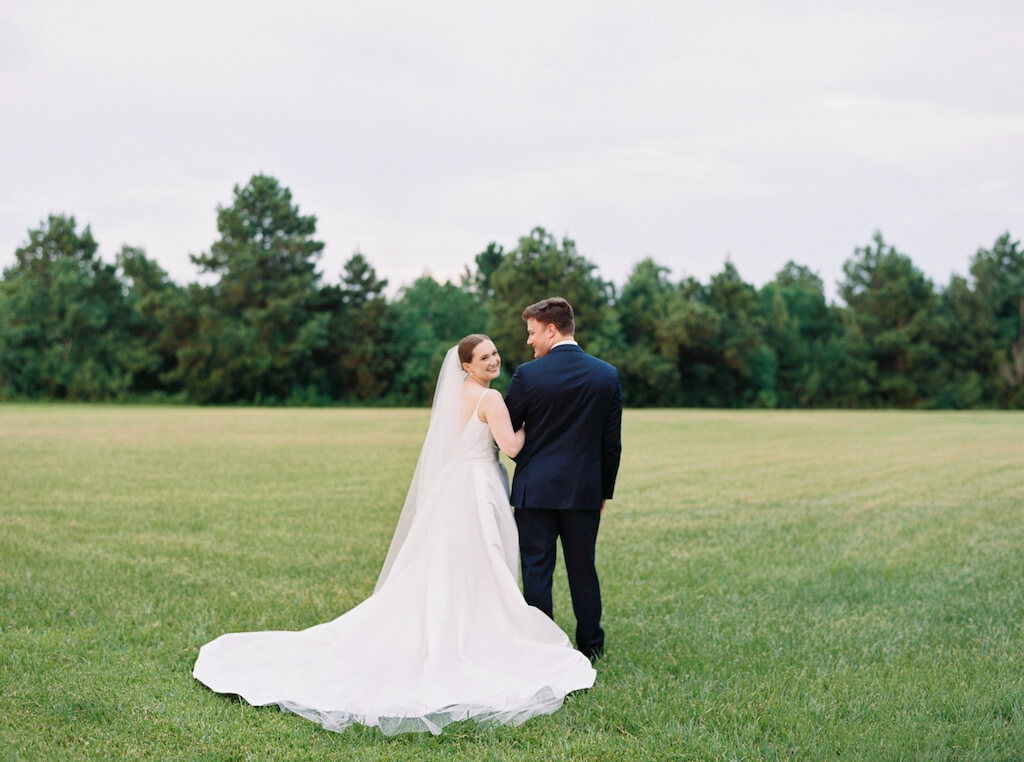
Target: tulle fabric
x=440 y=447
x=446 y=635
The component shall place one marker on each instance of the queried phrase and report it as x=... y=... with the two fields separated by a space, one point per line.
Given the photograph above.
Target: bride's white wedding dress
x=445 y=636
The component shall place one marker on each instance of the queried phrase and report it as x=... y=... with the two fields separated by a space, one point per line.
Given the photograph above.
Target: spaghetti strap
x=475 y=415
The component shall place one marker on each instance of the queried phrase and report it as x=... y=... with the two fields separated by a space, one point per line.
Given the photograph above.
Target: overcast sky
x=419 y=132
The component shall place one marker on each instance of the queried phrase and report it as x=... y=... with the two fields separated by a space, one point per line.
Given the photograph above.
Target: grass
x=778 y=585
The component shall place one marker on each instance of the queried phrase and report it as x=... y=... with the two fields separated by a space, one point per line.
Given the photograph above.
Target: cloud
x=419 y=133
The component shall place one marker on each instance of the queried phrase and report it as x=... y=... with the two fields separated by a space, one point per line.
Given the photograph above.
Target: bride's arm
x=495 y=414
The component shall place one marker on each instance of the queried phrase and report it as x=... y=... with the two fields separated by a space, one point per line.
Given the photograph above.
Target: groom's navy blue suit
x=571 y=405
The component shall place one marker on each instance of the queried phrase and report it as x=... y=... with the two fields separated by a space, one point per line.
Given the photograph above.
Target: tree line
x=269 y=331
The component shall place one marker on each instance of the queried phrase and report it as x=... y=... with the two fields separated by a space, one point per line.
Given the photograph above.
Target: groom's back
x=571 y=405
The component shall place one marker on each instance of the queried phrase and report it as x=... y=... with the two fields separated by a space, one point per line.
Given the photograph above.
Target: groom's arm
x=515 y=400
x=611 y=444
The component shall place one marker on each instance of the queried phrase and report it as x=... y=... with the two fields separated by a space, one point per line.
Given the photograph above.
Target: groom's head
x=548 y=322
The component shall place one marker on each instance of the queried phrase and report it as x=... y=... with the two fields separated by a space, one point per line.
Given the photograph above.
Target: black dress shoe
x=593 y=653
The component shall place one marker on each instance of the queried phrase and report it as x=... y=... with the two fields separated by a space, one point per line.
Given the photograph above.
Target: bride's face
x=486 y=362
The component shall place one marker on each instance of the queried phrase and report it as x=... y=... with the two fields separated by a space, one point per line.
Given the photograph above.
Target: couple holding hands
x=446 y=634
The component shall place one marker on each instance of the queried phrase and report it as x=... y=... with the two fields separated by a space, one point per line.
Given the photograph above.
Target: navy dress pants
x=539 y=528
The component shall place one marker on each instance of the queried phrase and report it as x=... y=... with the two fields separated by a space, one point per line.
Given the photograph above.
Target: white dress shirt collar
x=564 y=342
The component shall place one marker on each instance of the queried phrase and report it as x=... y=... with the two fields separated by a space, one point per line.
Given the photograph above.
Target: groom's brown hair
x=556 y=311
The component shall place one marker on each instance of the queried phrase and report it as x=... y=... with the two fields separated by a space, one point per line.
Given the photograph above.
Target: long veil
x=438 y=448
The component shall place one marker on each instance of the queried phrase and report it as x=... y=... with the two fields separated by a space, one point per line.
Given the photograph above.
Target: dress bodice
x=477 y=441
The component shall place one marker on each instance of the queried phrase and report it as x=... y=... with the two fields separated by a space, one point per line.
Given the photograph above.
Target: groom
x=571 y=405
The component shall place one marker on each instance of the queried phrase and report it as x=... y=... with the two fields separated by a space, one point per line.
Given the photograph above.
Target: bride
x=446 y=634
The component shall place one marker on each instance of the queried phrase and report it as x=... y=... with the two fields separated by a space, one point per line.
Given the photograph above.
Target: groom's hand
x=602 y=505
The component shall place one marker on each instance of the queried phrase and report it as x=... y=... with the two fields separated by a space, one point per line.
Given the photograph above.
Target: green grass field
x=778 y=585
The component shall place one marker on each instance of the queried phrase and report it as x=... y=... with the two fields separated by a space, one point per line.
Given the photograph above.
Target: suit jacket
x=571 y=405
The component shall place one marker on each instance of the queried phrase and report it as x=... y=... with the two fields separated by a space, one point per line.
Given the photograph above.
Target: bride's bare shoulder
x=491 y=401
